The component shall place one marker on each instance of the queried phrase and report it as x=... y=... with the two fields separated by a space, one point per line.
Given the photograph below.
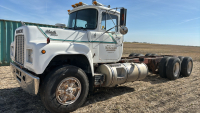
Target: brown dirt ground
x=153 y=94
x=143 y=48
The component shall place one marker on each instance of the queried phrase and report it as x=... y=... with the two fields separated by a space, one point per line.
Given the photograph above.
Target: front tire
x=65 y=89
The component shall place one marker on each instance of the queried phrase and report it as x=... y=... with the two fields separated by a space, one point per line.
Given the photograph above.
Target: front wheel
x=64 y=89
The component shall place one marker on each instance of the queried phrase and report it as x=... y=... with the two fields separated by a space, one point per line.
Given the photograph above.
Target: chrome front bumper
x=27 y=81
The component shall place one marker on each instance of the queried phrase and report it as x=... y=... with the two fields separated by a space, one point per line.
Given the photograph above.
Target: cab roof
x=93 y=6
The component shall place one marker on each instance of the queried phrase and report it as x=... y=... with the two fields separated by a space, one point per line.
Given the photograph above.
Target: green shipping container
x=7 y=29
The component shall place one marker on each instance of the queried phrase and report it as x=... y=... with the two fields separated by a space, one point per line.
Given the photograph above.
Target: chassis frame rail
x=151 y=61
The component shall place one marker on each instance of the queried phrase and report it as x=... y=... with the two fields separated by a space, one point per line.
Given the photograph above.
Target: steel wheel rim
x=68 y=91
x=189 y=67
x=176 y=69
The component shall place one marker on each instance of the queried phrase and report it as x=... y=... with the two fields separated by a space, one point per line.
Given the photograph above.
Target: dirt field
x=153 y=94
x=144 y=48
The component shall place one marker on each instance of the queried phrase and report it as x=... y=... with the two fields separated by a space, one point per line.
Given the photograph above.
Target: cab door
x=111 y=47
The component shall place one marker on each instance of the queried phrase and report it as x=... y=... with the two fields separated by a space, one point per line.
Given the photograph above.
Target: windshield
x=86 y=19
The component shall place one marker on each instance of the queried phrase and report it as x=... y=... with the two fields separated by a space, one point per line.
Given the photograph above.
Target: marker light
x=77 y=4
x=48 y=40
x=68 y=10
x=95 y=2
x=43 y=51
x=102 y=27
x=73 y=6
x=80 y=3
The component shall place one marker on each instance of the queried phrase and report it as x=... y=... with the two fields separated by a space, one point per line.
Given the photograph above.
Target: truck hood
x=40 y=34
x=58 y=34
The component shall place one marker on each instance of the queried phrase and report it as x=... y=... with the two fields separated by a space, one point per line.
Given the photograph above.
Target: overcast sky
x=153 y=21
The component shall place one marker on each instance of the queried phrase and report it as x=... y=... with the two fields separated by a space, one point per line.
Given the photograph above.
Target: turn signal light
x=68 y=10
x=43 y=51
x=95 y=2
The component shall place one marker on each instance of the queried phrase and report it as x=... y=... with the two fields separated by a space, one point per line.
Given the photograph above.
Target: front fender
x=41 y=61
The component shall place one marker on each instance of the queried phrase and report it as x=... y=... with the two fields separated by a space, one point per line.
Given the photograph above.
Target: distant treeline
x=140 y=42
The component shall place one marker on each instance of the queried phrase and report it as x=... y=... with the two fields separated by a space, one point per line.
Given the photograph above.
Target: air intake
x=19 y=49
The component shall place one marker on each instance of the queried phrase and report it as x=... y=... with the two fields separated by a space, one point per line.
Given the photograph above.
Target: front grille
x=19 y=49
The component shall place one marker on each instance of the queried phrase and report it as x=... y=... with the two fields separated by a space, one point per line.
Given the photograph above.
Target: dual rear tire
x=186 y=66
x=135 y=55
x=173 y=67
x=132 y=54
x=152 y=55
x=138 y=55
x=162 y=67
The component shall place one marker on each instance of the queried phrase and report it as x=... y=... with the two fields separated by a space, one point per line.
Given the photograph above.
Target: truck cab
x=87 y=34
x=70 y=56
x=65 y=64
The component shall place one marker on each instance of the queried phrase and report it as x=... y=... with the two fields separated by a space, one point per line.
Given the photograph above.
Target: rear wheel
x=137 y=55
x=186 y=66
x=148 y=54
x=154 y=55
x=180 y=58
x=173 y=68
x=64 y=89
x=162 y=67
x=132 y=54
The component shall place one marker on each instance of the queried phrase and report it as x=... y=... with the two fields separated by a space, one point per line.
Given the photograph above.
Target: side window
x=103 y=21
x=109 y=21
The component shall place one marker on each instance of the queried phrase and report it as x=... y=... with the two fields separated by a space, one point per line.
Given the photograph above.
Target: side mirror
x=123 y=13
x=123 y=30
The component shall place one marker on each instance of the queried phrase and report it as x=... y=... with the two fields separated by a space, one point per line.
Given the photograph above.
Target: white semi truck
x=65 y=64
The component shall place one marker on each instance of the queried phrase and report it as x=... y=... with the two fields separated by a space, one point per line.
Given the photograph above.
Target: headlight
x=29 y=55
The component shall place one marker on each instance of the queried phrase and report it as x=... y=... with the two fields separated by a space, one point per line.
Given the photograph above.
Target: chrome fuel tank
x=120 y=73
